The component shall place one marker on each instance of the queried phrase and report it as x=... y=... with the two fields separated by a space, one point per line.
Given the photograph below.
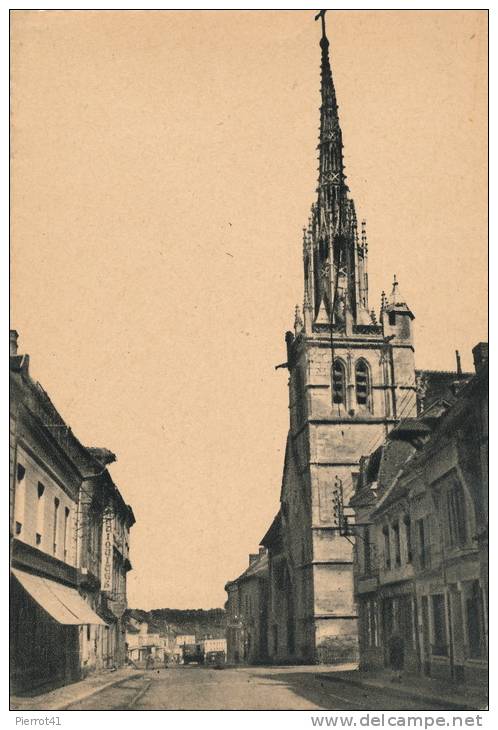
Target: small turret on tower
x=397 y=316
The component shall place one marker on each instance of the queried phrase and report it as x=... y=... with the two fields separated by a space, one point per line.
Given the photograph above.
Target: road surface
x=243 y=688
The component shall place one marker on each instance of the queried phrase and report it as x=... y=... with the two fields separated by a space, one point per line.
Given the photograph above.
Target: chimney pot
x=13 y=342
x=480 y=353
x=252 y=558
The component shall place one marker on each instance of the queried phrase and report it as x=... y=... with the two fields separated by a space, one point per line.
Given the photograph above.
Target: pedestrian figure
x=149 y=664
x=396 y=657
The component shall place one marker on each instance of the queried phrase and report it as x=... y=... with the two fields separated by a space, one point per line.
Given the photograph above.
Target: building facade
x=351 y=377
x=247 y=613
x=421 y=552
x=214 y=646
x=59 y=626
x=142 y=645
x=105 y=521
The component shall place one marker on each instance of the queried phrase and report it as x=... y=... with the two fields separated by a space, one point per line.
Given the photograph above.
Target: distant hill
x=198 y=621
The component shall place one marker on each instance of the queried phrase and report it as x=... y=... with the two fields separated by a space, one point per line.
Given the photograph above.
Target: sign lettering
x=107 y=551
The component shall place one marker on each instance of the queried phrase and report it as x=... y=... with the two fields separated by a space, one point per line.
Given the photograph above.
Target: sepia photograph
x=248 y=423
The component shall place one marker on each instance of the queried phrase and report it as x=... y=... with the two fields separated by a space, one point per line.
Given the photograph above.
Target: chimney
x=262 y=551
x=458 y=363
x=480 y=352
x=13 y=342
x=252 y=558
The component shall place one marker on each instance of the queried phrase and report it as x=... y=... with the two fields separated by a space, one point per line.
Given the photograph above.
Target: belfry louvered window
x=362 y=383
x=338 y=382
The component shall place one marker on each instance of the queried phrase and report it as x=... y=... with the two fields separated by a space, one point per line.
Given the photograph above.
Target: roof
x=459 y=409
x=130 y=629
x=394 y=457
x=257 y=569
x=273 y=532
x=104 y=456
x=436 y=420
x=437 y=384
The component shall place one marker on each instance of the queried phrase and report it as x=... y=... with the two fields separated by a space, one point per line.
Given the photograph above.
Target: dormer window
x=338 y=383
x=362 y=383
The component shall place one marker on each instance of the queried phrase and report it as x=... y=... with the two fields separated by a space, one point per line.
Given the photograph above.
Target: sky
x=163 y=166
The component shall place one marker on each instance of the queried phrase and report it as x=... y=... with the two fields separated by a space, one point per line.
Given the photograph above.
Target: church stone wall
x=337 y=643
x=319 y=380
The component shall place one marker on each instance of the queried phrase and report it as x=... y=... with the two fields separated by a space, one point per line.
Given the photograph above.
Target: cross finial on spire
x=321 y=15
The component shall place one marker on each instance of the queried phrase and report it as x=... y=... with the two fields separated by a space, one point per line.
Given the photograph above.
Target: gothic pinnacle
x=298 y=321
x=364 y=241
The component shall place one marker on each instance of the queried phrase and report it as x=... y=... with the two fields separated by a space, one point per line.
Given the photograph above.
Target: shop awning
x=61 y=602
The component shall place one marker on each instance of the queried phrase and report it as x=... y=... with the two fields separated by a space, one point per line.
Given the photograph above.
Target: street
x=243 y=688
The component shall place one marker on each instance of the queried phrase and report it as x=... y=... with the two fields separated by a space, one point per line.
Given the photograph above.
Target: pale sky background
x=163 y=165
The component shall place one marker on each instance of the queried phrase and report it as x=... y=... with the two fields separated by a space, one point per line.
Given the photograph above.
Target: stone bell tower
x=351 y=378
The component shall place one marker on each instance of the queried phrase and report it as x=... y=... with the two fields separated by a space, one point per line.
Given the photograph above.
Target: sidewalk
x=448 y=695
x=59 y=699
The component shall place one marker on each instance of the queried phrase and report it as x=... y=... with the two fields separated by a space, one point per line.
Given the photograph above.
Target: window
x=56 y=519
x=291 y=635
x=372 y=622
x=397 y=544
x=408 y=533
x=456 y=515
x=362 y=383
x=338 y=383
x=387 y=547
x=387 y=616
x=40 y=512
x=392 y=318
x=475 y=622
x=66 y=531
x=20 y=498
x=405 y=619
x=367 y=552
x=440 y=646
x=422 y=547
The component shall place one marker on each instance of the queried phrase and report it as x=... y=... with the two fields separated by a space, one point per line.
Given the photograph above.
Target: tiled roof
x=257 y=569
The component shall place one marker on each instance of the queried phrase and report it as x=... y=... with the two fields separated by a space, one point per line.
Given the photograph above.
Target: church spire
x=330 y=144
x=335 y=279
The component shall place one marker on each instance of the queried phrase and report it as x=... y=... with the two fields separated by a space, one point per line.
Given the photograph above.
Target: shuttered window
x=338 y=383
x=362 y=383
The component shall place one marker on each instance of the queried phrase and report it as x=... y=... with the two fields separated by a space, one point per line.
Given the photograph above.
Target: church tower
x=351 y=378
